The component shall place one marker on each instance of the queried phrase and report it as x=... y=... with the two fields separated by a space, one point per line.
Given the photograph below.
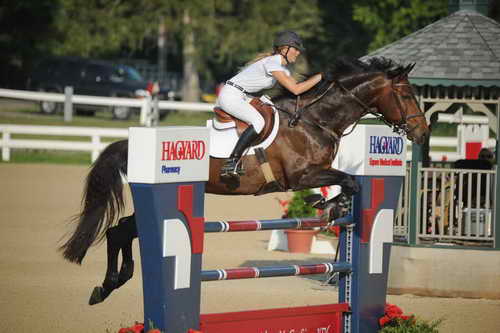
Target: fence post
x=96 y=145
x=496 y=215
x=68 y=104
x=5 y=145
x=416 y=153
x=156 y=110
x=146 y=111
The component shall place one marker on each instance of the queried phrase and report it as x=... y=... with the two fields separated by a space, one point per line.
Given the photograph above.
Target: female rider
x=261 y=73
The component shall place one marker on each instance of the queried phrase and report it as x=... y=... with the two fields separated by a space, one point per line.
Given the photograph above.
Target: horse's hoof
x=99 y=294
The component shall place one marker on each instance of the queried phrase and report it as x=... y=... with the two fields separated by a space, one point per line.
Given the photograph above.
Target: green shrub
x=298 y=207
x=411 y=326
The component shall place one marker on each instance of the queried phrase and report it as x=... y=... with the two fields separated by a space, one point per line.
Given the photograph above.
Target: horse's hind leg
x=127 y=270
x=118 y=238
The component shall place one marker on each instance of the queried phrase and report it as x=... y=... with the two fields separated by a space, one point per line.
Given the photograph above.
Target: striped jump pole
x=275 y=224
x=273 y=271
x=167 y=170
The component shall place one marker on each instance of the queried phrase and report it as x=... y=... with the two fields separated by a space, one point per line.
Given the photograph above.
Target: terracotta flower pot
x=300 y=241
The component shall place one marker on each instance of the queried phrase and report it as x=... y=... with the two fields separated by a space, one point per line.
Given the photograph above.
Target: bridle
x=401 y=127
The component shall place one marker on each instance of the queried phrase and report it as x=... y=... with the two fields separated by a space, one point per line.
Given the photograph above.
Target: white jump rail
x=94 y=145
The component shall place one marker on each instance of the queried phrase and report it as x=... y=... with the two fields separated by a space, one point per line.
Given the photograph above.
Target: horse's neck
x=346 y=113
x=358 y=100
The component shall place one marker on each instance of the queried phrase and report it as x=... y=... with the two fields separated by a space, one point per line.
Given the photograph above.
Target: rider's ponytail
x=260 y=56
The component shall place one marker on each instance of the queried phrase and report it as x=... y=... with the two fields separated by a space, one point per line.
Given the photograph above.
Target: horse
x=300 y=157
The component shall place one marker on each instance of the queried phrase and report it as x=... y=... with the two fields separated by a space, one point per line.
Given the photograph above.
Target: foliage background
x=209 y=39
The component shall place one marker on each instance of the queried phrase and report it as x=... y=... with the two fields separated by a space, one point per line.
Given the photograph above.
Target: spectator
x=486 y=155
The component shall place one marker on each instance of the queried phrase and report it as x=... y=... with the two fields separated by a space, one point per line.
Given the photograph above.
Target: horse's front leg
x=326 y=177
x=338 y=206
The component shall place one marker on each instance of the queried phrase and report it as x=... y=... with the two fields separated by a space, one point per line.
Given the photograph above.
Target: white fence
x=149 y=117
x=94 y=145
x=145 y=104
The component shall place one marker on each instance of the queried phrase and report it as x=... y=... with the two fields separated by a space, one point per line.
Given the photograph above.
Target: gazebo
x=457 y=65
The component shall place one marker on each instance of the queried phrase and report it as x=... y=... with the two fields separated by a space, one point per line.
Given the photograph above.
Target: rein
x=298 y=110
x=400 y=127
x=296 y=116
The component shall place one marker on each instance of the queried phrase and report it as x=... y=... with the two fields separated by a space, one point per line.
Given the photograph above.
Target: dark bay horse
x=300 y=157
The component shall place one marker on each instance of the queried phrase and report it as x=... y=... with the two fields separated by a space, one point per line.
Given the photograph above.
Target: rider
x=261 y=73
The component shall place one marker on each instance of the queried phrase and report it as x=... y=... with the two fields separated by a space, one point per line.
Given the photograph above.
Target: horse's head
x=397 y=104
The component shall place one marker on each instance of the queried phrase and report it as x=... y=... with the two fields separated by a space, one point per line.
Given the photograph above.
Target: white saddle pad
x=223 y=138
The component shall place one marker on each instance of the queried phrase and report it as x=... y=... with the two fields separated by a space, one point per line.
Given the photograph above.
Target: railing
x=94 y=145
x=457 y=204
x=453 y=206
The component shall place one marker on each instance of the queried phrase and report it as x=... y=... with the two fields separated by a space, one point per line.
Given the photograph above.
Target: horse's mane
x=347 y=67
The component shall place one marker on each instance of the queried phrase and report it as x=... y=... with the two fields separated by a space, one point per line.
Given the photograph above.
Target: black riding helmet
x=288 y=38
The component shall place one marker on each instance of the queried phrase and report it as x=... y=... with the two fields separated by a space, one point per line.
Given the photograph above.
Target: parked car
x=89 y=77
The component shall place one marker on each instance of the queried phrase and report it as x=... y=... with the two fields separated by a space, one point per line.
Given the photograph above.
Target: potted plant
x=300 y=240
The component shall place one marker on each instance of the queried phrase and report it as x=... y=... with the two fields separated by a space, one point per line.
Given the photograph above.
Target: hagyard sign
x=183 y=150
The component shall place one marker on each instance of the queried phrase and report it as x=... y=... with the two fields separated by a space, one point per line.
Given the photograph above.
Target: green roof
x=462 y=49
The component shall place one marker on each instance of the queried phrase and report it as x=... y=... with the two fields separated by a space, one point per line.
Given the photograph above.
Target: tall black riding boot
x=231 y=168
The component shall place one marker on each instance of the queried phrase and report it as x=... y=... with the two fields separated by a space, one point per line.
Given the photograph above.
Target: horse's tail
x=102 y=201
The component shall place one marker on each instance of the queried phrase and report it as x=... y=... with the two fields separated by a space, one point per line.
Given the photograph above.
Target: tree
x=222 y=35
x=340 y=35
x=25 y=28
x=391 y=20
x=214 y=37
x=95 y=28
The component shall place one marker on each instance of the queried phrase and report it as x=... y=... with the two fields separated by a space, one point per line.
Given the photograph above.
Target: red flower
x=137 y=328
x=392 y=314
x=383 y=321
x=124 y=330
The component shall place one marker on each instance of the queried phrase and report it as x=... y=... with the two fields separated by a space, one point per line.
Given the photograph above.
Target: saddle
x=224 y=120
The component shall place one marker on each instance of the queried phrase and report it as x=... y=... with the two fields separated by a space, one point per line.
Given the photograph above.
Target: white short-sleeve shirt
x=257 y=76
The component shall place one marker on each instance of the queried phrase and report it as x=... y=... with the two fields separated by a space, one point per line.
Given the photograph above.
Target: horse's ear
x=400 y=72
x=395 y=72
x=409 y=68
